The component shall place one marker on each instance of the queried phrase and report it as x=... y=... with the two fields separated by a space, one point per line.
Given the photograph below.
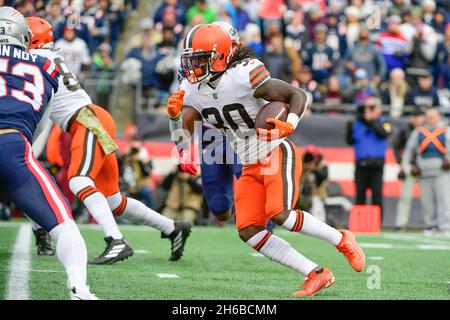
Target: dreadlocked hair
x=242 y=54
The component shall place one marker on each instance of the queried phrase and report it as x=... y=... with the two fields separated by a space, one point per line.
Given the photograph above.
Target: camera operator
x=136 y=169
x=185 y=196
x=369 y=135
x=314 y=181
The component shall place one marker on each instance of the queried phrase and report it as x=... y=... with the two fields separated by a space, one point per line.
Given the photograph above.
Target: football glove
x=187 y=162
x=282 y=130
x=175 y=104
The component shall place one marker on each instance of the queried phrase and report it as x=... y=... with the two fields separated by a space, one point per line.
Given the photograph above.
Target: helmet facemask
x=207 y=52
x=198 y=66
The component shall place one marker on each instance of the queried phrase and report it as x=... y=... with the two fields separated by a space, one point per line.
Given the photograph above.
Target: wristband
x=293 y=119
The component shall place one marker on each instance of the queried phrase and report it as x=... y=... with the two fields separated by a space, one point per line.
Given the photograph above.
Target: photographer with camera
x=136 y=168
x=185 y=195
x=369 y=135
x=416 y=120
x=314 y=182
x=429 y=144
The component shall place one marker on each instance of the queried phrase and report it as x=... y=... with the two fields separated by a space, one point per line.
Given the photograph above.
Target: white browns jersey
x=231 y=107
x=70 y=96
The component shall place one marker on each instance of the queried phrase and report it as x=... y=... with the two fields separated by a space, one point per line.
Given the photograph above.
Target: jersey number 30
x=35 y=88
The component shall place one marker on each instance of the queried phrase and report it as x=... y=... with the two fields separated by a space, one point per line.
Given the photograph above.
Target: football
x=275 y=109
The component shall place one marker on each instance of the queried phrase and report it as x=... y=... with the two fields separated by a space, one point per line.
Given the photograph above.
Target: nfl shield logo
x=215 y=96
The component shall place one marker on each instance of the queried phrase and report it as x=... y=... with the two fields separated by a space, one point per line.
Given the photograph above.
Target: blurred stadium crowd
x=342 y=51
x=95 y=22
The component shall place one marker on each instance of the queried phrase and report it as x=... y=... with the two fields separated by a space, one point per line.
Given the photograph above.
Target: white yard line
x=40 y=270
x=167 y=275
x=375 y=245
x=20 y=265
x=389 y=246
x=432 y=247
x=47 y=271
x=141 y=251
x=420 y=238
x=37 y=270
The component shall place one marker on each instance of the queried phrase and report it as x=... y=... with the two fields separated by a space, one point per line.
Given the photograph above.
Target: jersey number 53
x=35 y=89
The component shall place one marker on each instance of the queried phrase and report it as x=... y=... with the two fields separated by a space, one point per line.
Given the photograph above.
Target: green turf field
x=217 y=265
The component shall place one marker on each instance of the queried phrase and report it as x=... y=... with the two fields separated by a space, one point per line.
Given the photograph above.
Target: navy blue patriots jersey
x=27 y=83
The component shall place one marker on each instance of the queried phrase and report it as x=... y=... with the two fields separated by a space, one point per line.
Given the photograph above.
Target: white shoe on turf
x=82 y=294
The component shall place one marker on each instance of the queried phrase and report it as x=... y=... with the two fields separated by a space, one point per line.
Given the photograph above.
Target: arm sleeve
x=178 y=135
x=349 y=133
x=382 y=128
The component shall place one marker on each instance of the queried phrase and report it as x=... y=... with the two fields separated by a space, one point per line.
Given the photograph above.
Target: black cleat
x=43 y=243
x=116 y=250
x=178 y=239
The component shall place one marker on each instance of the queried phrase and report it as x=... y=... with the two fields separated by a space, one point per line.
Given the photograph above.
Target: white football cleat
x=82 y=294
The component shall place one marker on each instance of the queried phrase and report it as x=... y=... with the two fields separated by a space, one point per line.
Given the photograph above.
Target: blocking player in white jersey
x=227 y=90
x=93 y=172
